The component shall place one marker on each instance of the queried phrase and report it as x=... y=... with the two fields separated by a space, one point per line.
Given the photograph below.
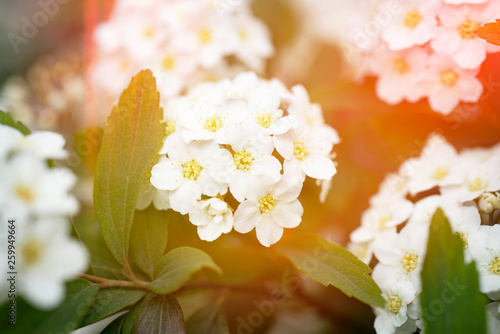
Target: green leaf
x=115 y=327
x=131 y=139
x=133 y=314
x=79 y=296
x=331 y=264
x=177 y=266
x=149 y=238
x=6 y=119
x=109 y=301
x=451 y=301
x=162 y=314
x=208 y=320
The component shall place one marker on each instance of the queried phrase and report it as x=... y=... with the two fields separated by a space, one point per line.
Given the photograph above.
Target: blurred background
x=44 y=85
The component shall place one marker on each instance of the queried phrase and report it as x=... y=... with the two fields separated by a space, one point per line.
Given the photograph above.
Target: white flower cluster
x=235 y=134
x=424 y=48
x=466 y=186
x=182 y=41
x=37 y=198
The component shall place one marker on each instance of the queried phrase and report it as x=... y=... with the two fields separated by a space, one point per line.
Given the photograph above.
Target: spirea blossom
x=36 y=198
x=394 y=230
x=419 y=49
x=245 y=146
x=182 y=41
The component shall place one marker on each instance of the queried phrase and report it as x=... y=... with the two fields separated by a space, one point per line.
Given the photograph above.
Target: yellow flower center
x=267 y=203
x=449 y=77
x=463 y=238
x=440 y=173
x=409 y=262
x=213 y=124
x=25 y=193
x=243 y=160
x=477 y=184
x=467 y=28
x=149 y=32
x=300 y=151
x=264 y=120
x=242 y=31
x=191 y=170
x=494 y=266
x=31 y=252
x=401 y=66
x=412 y=19
x=205 y=35
x=169 y=128
x=394 y=304
x=168 y=62
x=383 y=220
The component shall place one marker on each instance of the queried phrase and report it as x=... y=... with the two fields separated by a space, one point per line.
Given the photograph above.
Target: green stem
x=103 y=282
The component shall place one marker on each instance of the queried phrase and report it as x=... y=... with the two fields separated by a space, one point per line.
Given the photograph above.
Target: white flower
x=252 y=159
x=438 y=165
x=47 y=258
x=398 y=295
x=482 y=176
x=42 y=144
x=269 y=209
x=190 y=171
x=415 y=24
x=252 y=44
x=399 y=74
x=149 y=194
x=378 y=219
x=393 y=188
x=213 y=217
x=362 y=250
x=484 y=246
x=30 y=187
x=456 y=36
x=403 y=253
x=493 y=317
x=306 y=152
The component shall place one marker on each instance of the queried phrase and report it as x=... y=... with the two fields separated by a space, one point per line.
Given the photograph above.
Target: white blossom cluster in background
x=416 y=49
x=37 y=197
x=182 y=41
x=248 y=136
x=394 y=230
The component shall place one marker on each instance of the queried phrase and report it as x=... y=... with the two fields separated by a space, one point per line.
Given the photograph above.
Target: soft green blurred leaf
x=331 y=264
x=6 y=119
x=451 y=301
x=148 y=240
x=162 y=314
x=79 y=296
x=177 y=266
x=131 y=139
x=108 y=301
x=208 y=320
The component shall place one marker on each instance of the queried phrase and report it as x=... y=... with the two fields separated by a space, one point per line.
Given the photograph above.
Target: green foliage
x=131 y=140
x=148 y=240
x=331 y=264
x=109 y=301
x=208 y=320
x=6 y=119
x=65 y=318
x=177 y=266
x=162 y=314
x=451 y=301
x=131 y=317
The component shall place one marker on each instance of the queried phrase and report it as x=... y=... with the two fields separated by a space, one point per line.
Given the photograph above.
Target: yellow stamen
x=191 y=170
x=264 y=120
x=449 y=77
x=401 y=66
x=243 y=160
x=412 y=19
x=300 y=151
x=409 y=262
x=267 y=203
x=394 y=304
x=25 y=193
x=467 y=28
